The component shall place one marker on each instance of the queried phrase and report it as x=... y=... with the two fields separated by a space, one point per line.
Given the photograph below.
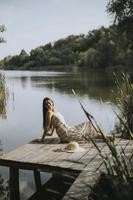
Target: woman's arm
x=47 y=124
x=50 y=134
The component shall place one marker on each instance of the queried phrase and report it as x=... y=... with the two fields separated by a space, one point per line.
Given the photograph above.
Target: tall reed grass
x=3 y=96
x=4 y=189
x=119 y=166
x=119 y=169
x=125 y=104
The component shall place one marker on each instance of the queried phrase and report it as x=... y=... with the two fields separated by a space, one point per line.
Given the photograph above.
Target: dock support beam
x=14 y=183
x=37 y=178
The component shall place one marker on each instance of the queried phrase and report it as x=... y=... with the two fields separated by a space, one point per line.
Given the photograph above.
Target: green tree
x=47 y=47
x=99 y=48
x=23 y=57
x=121 y=10
x=89 y=58
x=2 y=29
x=54 y=61
x=37 y=55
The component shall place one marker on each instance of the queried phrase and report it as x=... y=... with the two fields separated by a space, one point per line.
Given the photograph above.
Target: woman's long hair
x=45 y=109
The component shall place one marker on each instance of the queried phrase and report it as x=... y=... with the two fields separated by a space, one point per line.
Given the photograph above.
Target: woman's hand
x=50 y=133
x=44 y=135
x=38 y=140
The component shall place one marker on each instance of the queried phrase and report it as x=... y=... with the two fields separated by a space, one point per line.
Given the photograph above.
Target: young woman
x=54 y=120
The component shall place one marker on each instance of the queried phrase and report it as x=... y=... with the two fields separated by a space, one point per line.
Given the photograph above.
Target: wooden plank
x=81 y=187
x=48 y=154
x=21 y=151
x=88 y=157
x=74 y=158
x=29 y=151
x=44 y=159
x=79 y=160
x=33 y=166
x=38 y=155
x=52 y=158
x=88 y=177
x=65 y=160
x=51 y=154
x=85 y=181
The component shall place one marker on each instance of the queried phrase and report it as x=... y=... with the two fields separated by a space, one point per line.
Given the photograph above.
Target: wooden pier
x=82 y=168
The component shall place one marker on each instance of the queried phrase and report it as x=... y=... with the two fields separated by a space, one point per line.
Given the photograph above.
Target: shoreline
x=68 y=68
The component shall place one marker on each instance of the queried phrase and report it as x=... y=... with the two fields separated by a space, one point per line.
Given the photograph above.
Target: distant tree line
x=100 y=48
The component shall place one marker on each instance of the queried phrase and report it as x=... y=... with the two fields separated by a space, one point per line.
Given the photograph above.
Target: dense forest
x=101 y=48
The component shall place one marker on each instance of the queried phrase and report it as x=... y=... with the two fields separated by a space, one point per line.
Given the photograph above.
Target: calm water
x=27 y=89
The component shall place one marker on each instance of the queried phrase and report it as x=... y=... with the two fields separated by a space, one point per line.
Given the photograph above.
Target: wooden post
x=14 y=183
x=37 y=178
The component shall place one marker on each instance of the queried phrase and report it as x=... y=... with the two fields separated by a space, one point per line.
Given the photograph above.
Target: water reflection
x=27 y=89
x=91 y=83
x=24 y=107
x=95 y=85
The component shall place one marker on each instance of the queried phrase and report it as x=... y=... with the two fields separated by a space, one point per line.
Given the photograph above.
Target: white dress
x=68 y=133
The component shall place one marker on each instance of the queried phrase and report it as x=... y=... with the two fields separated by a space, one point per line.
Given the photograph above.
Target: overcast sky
x=32 y=23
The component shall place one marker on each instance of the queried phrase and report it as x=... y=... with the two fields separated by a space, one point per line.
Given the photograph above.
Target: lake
x=26 y=89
